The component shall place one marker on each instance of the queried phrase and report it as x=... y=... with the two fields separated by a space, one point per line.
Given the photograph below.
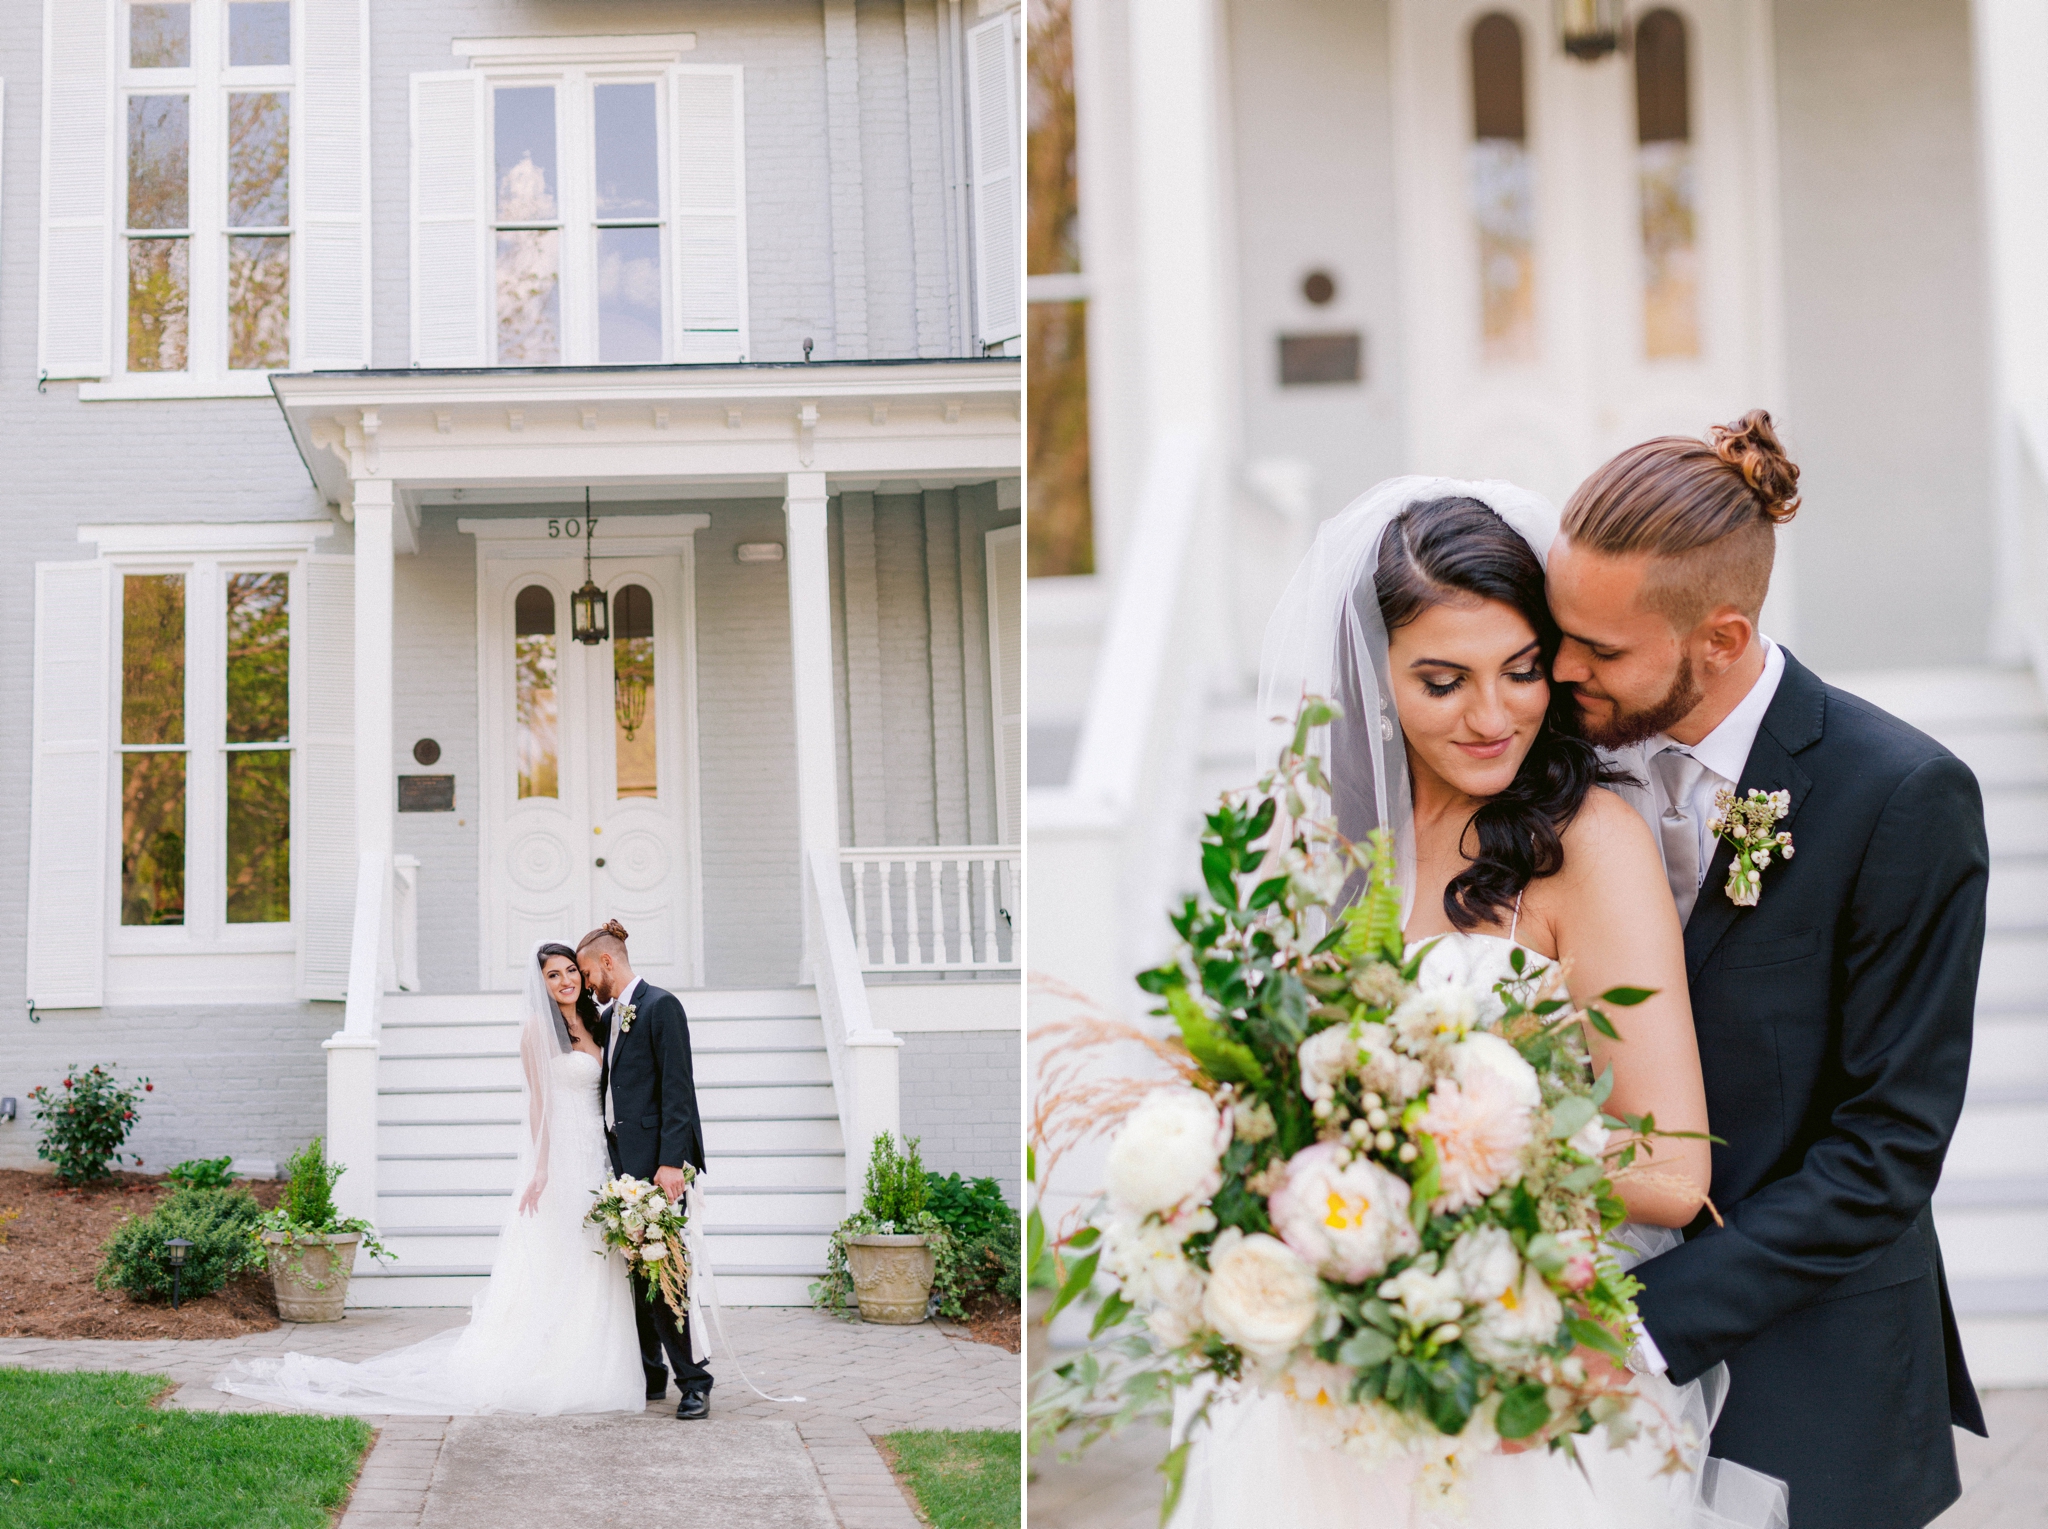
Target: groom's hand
x=670 y=1181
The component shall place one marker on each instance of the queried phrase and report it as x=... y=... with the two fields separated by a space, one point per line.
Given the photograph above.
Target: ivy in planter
x=893 y=1203
x=307 y=1213
x=216 y=1222
x=85 y=1122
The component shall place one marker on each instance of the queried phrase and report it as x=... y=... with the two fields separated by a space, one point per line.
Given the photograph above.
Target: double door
x=589 y=765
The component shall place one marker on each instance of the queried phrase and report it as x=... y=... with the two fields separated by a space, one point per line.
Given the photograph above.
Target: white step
x=2008 y=1051
x=446 y=1172
x=1999 y=1141
x=2006 y=1350
x=498 y=1102
x=1934 y=700
x=780 y=1167
x=370 y=1287
x=807 y=1133
x=2014 y=971
x=725 y=1205
x=398 y=1211
x=780 y=1064
x=2016 y=822
x=451 y=1135
x=2017 y=898
x=1993 y=1239
x=448 y=1069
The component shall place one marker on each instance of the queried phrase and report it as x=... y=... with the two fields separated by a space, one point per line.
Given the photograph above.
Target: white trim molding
x=188 y=538
x=622 y=535
x=512 y=52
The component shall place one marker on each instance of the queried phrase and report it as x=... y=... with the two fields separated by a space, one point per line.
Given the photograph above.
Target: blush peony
x=1348 y=1219
x=1169 y=1150
x=1260 y=1297
x=1480 y=1131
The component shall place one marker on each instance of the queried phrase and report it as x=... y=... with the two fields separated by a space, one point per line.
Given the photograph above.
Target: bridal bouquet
x=1380 y=1196
x=635 y=1217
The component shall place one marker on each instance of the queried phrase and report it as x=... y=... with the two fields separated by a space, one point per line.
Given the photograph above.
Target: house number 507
x=571 y=528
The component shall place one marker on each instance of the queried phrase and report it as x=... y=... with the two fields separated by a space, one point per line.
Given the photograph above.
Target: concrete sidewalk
x=752 y=1461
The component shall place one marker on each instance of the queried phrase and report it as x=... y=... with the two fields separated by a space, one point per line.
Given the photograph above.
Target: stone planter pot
x=892 y=1276
x=311 y=1262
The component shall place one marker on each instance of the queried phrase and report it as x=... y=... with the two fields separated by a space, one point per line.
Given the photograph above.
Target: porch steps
x=1992 y=1204
x=449 y=1127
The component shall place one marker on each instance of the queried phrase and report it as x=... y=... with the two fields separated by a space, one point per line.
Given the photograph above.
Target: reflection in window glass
x=533 y=670
x=524 y=133
x=633 y=690
x=153 y=658
x=259 y=32
x=1503 y=192
x=530 y=298
x=259 y=865
x=628 y=294
x=628 y=166
x=1665 y=175
x=160 y=37
x=259 y=302
x=259 y=164
x=159 y=162
x=529 y=265
x=159 y=301
x=259 y=657
x=153 y=838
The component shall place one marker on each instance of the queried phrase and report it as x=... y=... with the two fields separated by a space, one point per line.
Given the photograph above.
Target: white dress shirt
x=611 y=1047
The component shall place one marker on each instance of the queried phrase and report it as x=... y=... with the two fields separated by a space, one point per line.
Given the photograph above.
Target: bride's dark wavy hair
x=586 y=1001
x=1447 y=551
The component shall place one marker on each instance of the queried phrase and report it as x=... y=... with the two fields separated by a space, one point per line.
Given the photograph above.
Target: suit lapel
x=1793 y=723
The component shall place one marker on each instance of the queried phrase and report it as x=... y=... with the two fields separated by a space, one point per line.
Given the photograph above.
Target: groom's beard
x=1623 y=728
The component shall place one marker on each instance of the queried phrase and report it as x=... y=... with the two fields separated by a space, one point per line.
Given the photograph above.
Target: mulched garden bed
x=51 y=1253
x=997 y=1321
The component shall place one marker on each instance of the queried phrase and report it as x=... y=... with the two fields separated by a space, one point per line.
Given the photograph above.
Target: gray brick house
x=347 y=348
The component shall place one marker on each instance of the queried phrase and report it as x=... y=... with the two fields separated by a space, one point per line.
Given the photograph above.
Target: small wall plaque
x=426 y=793
x=1309 y=360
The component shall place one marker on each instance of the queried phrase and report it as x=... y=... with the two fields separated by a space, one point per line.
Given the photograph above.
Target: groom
x=652 y=1128
x=1833 y=1016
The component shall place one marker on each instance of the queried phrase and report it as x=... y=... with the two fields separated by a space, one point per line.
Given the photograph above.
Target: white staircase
x=1991 y=1210
x=448 y=1129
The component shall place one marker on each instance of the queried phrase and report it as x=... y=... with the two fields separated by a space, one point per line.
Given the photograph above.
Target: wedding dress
x=1251 y=1464
x=551 y=1332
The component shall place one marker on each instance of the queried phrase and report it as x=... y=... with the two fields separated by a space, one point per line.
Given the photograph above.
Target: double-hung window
x=206 y=131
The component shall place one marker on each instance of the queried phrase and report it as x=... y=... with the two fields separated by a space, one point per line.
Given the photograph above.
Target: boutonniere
x=1751 y=826
x=625 y=1014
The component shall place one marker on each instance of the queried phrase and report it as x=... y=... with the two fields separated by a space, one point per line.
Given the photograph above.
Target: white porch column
x=810 y=642
x=352 y=1055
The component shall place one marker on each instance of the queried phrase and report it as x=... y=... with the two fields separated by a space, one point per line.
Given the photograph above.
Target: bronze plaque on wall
x=426 y=793
x=1307 y=360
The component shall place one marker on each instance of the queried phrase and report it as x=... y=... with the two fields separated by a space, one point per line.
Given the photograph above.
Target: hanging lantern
x=1589 y=29
x=589 y=616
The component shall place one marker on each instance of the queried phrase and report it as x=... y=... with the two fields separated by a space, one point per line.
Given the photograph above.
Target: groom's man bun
x=610 y=939
x=1705 y=512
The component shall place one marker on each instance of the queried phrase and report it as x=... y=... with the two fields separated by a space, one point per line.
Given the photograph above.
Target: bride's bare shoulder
x=1608 y=837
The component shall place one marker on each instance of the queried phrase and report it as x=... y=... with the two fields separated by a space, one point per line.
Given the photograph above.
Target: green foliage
x=309 y=1201
x=986 y=1229
x=217 y=1222
x=89 y=1451
x=85 y=1121
x=203 y=1173
x=963 y=1480
x=896 y=1187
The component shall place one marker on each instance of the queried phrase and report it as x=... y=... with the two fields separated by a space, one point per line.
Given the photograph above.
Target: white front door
x=589 y=763
x=1588 y=247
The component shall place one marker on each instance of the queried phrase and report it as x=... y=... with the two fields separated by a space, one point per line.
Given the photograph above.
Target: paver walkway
x=859 y=1382
x=1116 y=1484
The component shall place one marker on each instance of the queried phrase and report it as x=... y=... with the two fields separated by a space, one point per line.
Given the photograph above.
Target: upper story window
x=1664 y=162
x=206 y=113
x=1503 y=191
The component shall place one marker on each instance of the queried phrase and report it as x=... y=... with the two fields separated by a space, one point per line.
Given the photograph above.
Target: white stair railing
x=863 y=1058
x=934 y=908
x=352 y=1051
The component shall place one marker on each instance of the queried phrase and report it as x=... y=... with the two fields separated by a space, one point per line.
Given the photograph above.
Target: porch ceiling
x=689 y=430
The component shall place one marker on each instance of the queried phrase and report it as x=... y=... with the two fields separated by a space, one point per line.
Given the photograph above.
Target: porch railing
x=934 y=907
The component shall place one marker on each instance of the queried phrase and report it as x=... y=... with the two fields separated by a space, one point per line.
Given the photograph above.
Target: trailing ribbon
x=701 y=1279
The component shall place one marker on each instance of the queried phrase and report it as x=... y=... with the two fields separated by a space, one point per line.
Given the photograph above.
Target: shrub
x=307 y=1211
x=897 y=1187
x=203 y=1173
x=217 y=1222
x=309 y=1201
x=85 y=1122
x=986 y=1232
x=893 y=1204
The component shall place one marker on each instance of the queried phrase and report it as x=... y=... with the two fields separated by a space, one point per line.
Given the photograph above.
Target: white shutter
x=998 y=195
x=1006 y=674
x=332 y=178
x=75 y=316
x=324 y=793
x=450 y=262
x=70 y=802
x=708 y=212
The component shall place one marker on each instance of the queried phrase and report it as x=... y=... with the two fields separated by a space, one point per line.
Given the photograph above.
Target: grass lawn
x=87 y=1451
x=963 y=1480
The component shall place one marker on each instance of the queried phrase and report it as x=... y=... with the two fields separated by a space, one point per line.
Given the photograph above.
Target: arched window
x=1503 y=191
x=633 y=691
x=533 y=684
x=1671 y=325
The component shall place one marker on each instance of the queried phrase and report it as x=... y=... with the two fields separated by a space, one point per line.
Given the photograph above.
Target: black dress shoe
x=694 y=1405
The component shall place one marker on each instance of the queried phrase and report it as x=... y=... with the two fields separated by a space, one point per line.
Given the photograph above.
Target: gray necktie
x=1677 y=773
x=611 y=1049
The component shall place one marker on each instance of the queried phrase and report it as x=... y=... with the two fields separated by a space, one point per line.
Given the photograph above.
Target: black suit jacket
x=653 y=1090
x=1834 y=1029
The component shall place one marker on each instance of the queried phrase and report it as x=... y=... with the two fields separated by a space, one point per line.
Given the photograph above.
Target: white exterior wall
x=960 y=1095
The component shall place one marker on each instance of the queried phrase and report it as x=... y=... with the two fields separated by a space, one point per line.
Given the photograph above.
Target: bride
x=1421 y=609
x=552 y=1330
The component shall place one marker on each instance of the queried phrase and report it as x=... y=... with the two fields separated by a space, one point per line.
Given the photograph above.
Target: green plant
x=217 y=1222
x=85 y=1123
x=892 y=1204
x=89 y=1451
x=203 y=1173
x=896 y=1186
x=307 y=1214
x=986 y=1228
x=963 y=1479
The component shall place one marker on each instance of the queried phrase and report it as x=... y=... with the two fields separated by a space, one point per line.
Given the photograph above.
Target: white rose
x=1327 y=1058
x=1435 y=1013
x=1485 y=1262
x=1425 y=1296
x=1523 y=1317
x=1484 y=1051
x=1590 y=1138
x=1145 y=1255
x=653 y=1252
x=1169 y=1150
x=1260 y=1297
